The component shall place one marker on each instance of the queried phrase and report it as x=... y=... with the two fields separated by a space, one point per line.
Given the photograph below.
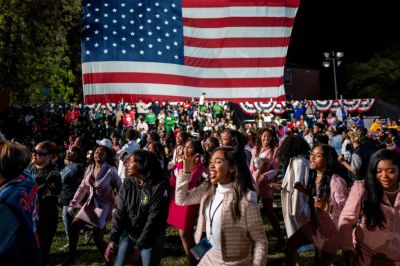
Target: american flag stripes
x=178 y=49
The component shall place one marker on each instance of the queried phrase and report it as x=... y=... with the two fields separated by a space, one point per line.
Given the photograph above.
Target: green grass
x=173 y=252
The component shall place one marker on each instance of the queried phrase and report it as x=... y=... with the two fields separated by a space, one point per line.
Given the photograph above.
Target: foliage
x=38 y=49
x=377 y=78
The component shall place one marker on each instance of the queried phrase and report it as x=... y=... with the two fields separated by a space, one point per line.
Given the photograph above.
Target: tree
x=377 y=78
x=39 y=48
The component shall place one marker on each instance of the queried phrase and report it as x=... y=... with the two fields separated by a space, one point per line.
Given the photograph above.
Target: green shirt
x=151 y=118
x=169 y=123
x=217 y=109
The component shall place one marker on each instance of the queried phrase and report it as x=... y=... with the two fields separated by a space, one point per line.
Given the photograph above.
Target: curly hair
x=273 y=141
x=292 y=146
x=110 y=155
x=355 y=136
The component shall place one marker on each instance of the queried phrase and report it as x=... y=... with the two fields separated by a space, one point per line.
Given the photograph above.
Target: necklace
x=318 y=178
x=391 y=193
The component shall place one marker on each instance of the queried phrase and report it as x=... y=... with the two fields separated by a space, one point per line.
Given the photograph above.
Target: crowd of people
x=144 y=167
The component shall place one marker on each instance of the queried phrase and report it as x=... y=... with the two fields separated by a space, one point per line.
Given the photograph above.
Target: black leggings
x=98 y=237
x=268 y=209
x=298 y=239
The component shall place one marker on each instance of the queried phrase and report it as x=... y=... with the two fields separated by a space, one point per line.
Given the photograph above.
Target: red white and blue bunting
x=365 y=105
x=248 y=108
x=275 y=107
x=265 y=107
x=352 y=105
x=278 y=108
x=323 y=105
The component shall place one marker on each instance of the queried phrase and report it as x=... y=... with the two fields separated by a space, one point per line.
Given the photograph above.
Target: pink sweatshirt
x=384 y=241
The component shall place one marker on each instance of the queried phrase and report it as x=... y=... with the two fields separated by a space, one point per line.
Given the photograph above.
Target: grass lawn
x=173 y=252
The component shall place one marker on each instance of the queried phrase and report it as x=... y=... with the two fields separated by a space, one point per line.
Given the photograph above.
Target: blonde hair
x=355 y=136
x=14 y=158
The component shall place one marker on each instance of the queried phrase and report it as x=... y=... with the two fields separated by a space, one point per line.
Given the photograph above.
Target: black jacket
x=365 y=154
x=71 y=177
x=49 y=188
x=141 y=211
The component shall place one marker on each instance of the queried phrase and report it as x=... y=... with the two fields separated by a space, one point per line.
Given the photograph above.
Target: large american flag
x=178 y=49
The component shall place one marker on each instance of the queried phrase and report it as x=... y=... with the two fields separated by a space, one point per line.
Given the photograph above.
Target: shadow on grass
x=173 y=251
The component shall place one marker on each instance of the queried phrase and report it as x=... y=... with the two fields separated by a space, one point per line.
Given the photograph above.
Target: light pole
x=336 y=59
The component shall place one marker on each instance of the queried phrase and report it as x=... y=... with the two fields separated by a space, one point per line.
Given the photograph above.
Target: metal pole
x=334 y=76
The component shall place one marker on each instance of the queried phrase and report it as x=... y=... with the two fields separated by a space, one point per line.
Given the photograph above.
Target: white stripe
x=237 y=32
x=236 y=52
x=173 y=69
x=184 y=91
x=246 y=11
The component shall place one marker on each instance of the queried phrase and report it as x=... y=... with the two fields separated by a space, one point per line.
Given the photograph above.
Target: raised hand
x=189 y=162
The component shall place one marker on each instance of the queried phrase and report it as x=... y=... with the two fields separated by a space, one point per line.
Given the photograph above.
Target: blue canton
x=145 y=31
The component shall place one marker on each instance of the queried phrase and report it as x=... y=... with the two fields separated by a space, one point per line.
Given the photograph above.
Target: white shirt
x=267 y=117
x=130 y=147
x=215 y=215
x=346 y=154
x=309 y=140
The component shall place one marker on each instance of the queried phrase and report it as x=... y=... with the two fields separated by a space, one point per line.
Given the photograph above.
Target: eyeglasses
x=317 y=155
x=39 y=153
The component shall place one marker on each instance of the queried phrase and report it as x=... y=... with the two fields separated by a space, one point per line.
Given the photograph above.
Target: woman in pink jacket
x=376 y=239
x=327 y=193
x=264 y=166
x=99 y=181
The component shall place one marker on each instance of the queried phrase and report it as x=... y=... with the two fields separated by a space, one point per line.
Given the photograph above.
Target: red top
x=183 y=217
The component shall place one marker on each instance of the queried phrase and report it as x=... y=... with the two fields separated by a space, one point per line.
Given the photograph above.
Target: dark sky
x=357 y=28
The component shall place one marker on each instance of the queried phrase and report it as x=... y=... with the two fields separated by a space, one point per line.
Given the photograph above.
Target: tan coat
x=239 y=240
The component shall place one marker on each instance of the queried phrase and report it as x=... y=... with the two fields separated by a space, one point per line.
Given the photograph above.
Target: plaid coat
x=239 y=239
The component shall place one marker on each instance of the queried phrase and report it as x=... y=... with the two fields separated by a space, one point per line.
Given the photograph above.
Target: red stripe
x=133 y=98
x=117 y=77
x=234 y=62
x=238 y=22
x=227 y=3
x=236 y=42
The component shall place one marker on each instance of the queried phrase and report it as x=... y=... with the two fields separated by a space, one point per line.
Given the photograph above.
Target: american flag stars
x=129 y=31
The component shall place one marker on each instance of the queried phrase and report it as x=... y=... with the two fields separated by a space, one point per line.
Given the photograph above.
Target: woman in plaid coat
x=229 y=213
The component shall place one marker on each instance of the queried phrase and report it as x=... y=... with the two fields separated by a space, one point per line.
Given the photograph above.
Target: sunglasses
x=40 y=153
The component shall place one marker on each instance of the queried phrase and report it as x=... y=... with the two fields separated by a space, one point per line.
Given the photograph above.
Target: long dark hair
x=159 y=151
x=292 y=146
x=331 y=167
x=242 y=180
x=147 y=165
x=373 y=194
x=207 y=156
x=238 y=140
x=272 y=143
x=197 y=148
